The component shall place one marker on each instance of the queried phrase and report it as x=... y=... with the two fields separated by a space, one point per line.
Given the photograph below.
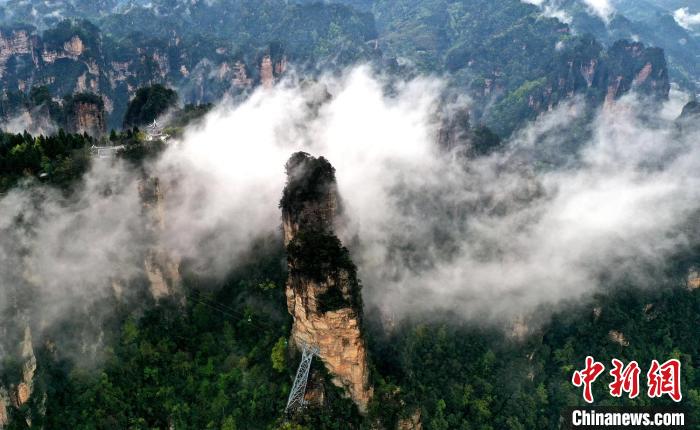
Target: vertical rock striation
x=85 y=113
x=267 y=77
x=162 y=269
x=323 y=292
x=4 y=404
x=19 y=392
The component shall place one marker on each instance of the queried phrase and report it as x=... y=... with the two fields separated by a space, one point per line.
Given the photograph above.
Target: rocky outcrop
x=19 y=392
x=163 y=273
x=632 y=66
x=74 y=58
x=310 y=198
x=412 y=422
x=267 y=77
x=4 y=405
x=693 y=279
x=240 y=76
x=85 y=113
x=281 y=66
x=25 y=387
x=17 y=42
x=454 y=129
x=618 y=337
x=323 y=292
x=161 y=268
x=456 y=135
x=586 y=69
x=89 y=118
x=689 y=119
x=691 y=110
x=74 y=47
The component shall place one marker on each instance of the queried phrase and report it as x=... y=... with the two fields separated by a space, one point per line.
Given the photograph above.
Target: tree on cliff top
x=148 y=104
x=308 y=180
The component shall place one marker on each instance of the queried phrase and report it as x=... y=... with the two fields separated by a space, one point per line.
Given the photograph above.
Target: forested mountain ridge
x=652 y=23
x=220 y=359
x=479 y=196
x=77 y=56
x=495 y=52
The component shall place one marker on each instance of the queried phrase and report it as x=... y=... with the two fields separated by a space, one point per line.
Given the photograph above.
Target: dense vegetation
x=505 y=54
x=320 y=256
x=462 y=376
x=650 y=22
x=217 y=357
x=309 y=180
x=58 y=159
x=189 y=45
x=222 y=362
x=148 y=104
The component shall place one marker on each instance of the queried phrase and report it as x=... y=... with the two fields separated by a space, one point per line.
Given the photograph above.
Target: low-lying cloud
x=34 y=122
x=551 y=9
x=686 y=19
x=558 y=9
x=492 y=237
x=602 y=8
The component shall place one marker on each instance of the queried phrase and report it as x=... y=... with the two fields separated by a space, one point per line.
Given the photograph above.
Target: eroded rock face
x=26 y=386
x=267 y=78
x=618 y=337
x=322 y=288
x=162 y=269
x=17 y=42
x=19 y=392
x=89 y=119
x=163 y=273
x=599 y=75
x=74 y=47
x=693 y=279
x=630 y=66
x=240 y=76
x=412 y=422
x=86 y=114
x=4 y=403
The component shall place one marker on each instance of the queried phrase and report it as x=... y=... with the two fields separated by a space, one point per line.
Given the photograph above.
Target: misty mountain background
x=201 y=47
x=456 y=201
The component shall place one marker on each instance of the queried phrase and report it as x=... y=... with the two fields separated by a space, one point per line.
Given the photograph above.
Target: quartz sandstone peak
x=162 y=269
x=323 y=292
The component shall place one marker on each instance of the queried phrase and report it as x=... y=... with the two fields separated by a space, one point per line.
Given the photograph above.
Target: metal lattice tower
x=296 y=396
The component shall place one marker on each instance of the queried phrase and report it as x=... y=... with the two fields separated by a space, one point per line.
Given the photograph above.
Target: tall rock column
x=323 y=292
x=85 y=113
x=162 y=269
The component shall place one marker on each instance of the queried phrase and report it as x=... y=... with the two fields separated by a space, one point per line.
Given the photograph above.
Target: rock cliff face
x=18 y=393
x=322 y=288
x=689 y=118
x=14 y=43
x=588 y=70
x=632 y=66
x=693 y=279
x=267 y=78
x=162 y=270
x=412 y=422
x=26 y=386
x=4 y=404
x=77 y=57
x=85 y=113
x=606 y=75
x=89 y=118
